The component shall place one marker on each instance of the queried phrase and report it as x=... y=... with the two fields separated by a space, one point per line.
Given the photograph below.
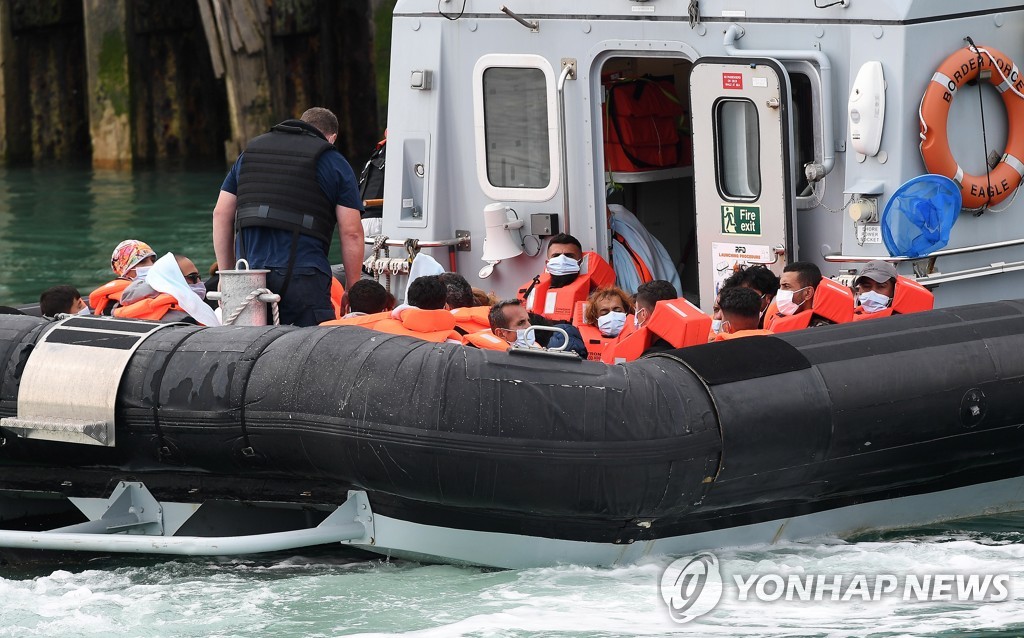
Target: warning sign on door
x=741 y=220
x=732 y=81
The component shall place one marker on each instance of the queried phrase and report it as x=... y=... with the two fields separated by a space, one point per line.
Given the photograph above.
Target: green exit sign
x=741 y=220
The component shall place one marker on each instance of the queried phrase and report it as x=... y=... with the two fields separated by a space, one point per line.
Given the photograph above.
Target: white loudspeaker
x=498 y=240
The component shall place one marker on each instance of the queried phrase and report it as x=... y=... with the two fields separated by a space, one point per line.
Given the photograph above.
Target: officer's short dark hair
x=323 y=119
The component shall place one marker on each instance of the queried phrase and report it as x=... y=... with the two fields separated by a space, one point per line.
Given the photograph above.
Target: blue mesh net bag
x=919 y=216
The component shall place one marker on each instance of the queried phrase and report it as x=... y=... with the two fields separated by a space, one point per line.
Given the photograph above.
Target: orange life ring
x=958 y=69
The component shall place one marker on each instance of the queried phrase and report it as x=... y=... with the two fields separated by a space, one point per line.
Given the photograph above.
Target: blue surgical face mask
x=563 y=265
x=141 y=271
x=716 y=326
x=873 y=301
x=611 y=324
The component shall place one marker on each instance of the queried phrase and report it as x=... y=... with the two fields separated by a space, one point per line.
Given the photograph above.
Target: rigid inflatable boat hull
x=752 y=440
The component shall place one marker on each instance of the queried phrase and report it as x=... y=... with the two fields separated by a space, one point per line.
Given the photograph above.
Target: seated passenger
x=511 y=324
x=806 y=299
x=883 y=292
x=662 y=322
x=140 y=300
x=425 y=314
x=368 y=302
x=481 y=298
x=741 y=310
x=761 y=280
x=569 y=277
x=604 y=315
x=469 y=317
x=62 y=300
x=130 y=259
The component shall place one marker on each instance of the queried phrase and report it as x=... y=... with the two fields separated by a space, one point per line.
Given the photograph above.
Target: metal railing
x=839 y=257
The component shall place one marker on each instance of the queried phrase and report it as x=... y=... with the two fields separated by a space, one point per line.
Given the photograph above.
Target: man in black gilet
x=278 y=208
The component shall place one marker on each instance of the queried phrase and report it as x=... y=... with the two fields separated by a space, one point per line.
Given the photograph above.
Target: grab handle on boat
x=565 y=336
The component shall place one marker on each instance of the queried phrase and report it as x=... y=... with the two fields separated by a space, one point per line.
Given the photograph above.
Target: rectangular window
x=516 y=128
x=739 y=149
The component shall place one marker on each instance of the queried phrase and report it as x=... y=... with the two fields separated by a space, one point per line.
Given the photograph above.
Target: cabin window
x=516 y=127
x=738 y=149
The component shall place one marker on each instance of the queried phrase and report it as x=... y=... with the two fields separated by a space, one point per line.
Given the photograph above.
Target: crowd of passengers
x=575 y=295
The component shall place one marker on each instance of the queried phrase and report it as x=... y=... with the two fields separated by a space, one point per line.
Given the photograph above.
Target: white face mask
x=611 y=324
x=784 y=301
x=85 y=311
x=525 y=338
x=563 y=265
x=716 y=326
x=199 y=289
x=140 y=272
x=873 y=301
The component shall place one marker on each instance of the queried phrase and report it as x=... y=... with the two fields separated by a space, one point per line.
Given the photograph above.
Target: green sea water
x=59 y=225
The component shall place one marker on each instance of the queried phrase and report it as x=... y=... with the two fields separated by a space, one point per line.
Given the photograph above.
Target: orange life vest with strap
x=366 y=321
x=430 y=325
x=150 y=308
x=558 y=303
x=337 y=292
x=832 y=301
x=726 y=336
x=485 y=340
x=101 y=298
x=473 y=319
x=909 y=297
x=677 y=321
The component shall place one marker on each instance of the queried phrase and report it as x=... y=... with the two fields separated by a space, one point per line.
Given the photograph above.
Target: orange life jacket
x=832 y=301
x=558 y=303
x=485 y=340
x=725 y=336
x=150 y=308
x=337 y=292
x=100 y=298
x=366 y=321
x=472 y=319
x=908 y=297
x=677 y=321
x=430 y=325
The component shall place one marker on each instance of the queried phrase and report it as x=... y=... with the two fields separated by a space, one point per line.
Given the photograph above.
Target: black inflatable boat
x=247 y=435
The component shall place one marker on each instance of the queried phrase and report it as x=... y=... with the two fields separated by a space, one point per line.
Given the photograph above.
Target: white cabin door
x=742 y=167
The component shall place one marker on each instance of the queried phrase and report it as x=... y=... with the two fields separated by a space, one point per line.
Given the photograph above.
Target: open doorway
x=647 y=158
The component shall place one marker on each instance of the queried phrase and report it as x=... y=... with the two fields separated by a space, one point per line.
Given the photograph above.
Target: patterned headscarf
x=128 y=254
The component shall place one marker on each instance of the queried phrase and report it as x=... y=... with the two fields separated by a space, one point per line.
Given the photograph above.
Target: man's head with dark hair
x=801 y=278
x=758 y=277
x=460 y=293
x=427 y=293
x=506 y=317
x=807 y=274
x=562 y=247
x=741 y=308
x=565 y=244
x=368 y=296
x=649 y=294
x=60 y=299
x=324 y=120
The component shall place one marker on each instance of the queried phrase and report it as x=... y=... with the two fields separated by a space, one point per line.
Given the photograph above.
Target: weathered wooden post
x=238 y=34
x=106 y=49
